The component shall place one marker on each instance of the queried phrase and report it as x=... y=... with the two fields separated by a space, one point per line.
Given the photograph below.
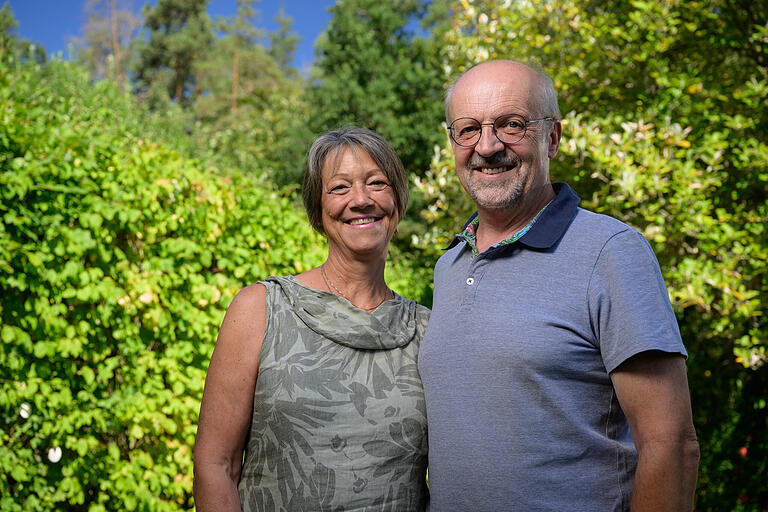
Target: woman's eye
x=378 y=184
x=338 y=189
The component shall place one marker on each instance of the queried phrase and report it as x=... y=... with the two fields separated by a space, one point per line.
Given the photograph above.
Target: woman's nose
x=361 y=196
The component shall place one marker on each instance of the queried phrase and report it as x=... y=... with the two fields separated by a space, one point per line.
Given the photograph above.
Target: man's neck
x=496 y=225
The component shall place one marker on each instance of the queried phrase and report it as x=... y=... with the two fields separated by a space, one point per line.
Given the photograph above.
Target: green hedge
x=118 y=258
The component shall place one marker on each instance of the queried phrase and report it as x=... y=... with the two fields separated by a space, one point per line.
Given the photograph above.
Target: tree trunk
x=115 y=45
x=235 y=79
x=179 y=88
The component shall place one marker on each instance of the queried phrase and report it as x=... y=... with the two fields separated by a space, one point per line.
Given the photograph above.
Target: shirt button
x=470 y=281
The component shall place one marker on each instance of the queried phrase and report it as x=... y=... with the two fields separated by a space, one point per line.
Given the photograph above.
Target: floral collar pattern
x=469 y=235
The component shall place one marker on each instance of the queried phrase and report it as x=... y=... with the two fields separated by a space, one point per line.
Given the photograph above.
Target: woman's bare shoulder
x=250 y=296
x=246 y=316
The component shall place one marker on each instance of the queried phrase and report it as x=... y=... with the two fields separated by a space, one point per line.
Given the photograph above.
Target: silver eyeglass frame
x=526 y=122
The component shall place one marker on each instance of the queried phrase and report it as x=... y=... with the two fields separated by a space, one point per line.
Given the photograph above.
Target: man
x=551 y=333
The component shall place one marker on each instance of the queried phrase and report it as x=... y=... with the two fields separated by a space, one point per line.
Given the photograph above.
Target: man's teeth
x=357 y=222
x=495 y=170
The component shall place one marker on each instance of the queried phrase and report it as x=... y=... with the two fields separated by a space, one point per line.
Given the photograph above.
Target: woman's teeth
x=357 y=222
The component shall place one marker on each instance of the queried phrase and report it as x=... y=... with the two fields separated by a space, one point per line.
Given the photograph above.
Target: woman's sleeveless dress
x=339 y=421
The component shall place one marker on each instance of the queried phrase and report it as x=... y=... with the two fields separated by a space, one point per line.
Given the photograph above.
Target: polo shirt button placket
x=472 y=282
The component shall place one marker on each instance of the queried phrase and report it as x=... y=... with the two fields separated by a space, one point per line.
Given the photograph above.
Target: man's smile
x=493 y=170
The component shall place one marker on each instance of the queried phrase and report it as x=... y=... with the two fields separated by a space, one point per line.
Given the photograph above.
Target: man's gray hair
x=328 y=149
x=546 y=102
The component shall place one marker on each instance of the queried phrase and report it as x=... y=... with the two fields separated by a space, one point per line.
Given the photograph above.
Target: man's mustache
x=495 y=160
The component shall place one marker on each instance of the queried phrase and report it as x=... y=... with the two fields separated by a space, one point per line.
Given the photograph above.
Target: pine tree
x=252 y=113
x=111 y=27
x=236 y=68
x=373 y=70
x=179 y=33
x=283 y=42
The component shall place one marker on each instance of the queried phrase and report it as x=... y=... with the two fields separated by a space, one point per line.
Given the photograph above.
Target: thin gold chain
x=331 y=287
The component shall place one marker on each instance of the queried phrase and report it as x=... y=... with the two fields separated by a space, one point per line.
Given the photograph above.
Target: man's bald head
x=542 y=95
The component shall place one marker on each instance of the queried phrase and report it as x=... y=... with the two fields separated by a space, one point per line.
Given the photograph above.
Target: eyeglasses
x=509 y=129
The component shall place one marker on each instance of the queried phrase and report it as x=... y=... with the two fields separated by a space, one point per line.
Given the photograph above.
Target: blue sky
x=53 y=23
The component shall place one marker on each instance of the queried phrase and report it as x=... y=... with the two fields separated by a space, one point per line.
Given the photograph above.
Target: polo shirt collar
x=552 y=223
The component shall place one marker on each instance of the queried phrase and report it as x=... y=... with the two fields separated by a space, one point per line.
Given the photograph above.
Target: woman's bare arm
x=227 y=406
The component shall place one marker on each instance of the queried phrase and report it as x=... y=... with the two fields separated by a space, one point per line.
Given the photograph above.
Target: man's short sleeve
x=629 y=306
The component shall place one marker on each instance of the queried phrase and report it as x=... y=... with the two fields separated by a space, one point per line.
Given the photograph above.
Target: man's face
x=497 y=175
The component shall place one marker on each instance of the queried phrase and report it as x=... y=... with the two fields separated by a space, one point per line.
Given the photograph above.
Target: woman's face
x=358 y=204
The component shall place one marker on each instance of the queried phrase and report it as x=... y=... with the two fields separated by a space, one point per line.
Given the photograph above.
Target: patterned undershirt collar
x=470 y=237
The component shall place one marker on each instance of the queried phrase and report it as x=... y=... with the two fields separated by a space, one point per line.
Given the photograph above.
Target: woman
x=314 y=376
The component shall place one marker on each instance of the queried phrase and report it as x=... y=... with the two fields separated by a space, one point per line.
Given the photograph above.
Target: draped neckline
x=391 y=325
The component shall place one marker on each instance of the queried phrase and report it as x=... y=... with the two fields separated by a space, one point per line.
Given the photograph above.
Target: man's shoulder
x=590 y=225
x=452 y=252
x=596 y=234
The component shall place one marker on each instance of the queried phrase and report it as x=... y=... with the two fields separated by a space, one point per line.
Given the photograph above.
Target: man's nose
x=489 y=144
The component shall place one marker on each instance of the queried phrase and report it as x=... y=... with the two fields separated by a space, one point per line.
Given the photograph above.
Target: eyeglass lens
x=509 y=129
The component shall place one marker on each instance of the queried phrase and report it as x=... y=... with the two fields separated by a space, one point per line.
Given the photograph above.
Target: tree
x=109 y=32
x=8 y=25
x=237 y=69
x=11 y=46
x=665 y=126
x=283 y=42
x=179 y=33
x=252 y=113
x=374 y=71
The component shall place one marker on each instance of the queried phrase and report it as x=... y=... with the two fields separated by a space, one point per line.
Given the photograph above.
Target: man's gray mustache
x=501 y=160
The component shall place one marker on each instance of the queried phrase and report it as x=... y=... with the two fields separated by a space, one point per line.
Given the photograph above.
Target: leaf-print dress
x=339 y=420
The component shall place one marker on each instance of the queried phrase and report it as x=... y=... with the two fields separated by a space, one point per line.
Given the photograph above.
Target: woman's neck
x=360 y=281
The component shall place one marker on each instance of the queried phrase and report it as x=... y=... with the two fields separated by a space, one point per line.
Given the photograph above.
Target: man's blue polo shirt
x=516 y=361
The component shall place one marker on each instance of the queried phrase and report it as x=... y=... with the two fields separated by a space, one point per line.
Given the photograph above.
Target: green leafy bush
x=118 y=257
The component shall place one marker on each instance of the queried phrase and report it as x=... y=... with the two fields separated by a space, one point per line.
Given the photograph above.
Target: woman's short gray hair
x=326 y=150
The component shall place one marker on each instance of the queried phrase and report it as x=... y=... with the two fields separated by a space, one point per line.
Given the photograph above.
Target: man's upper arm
x=642 y=350
x=652 y=388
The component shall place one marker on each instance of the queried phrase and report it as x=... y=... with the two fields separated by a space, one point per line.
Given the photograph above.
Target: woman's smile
x=357 y=195
x=362 y=221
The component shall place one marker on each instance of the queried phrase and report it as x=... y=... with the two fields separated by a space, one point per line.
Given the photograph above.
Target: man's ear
x=554 y=139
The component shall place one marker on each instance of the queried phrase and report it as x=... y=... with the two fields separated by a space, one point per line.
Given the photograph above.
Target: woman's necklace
x=333 y=288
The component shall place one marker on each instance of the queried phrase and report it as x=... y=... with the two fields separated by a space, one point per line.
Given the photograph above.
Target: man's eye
x=512 y=124
x=468 y=130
